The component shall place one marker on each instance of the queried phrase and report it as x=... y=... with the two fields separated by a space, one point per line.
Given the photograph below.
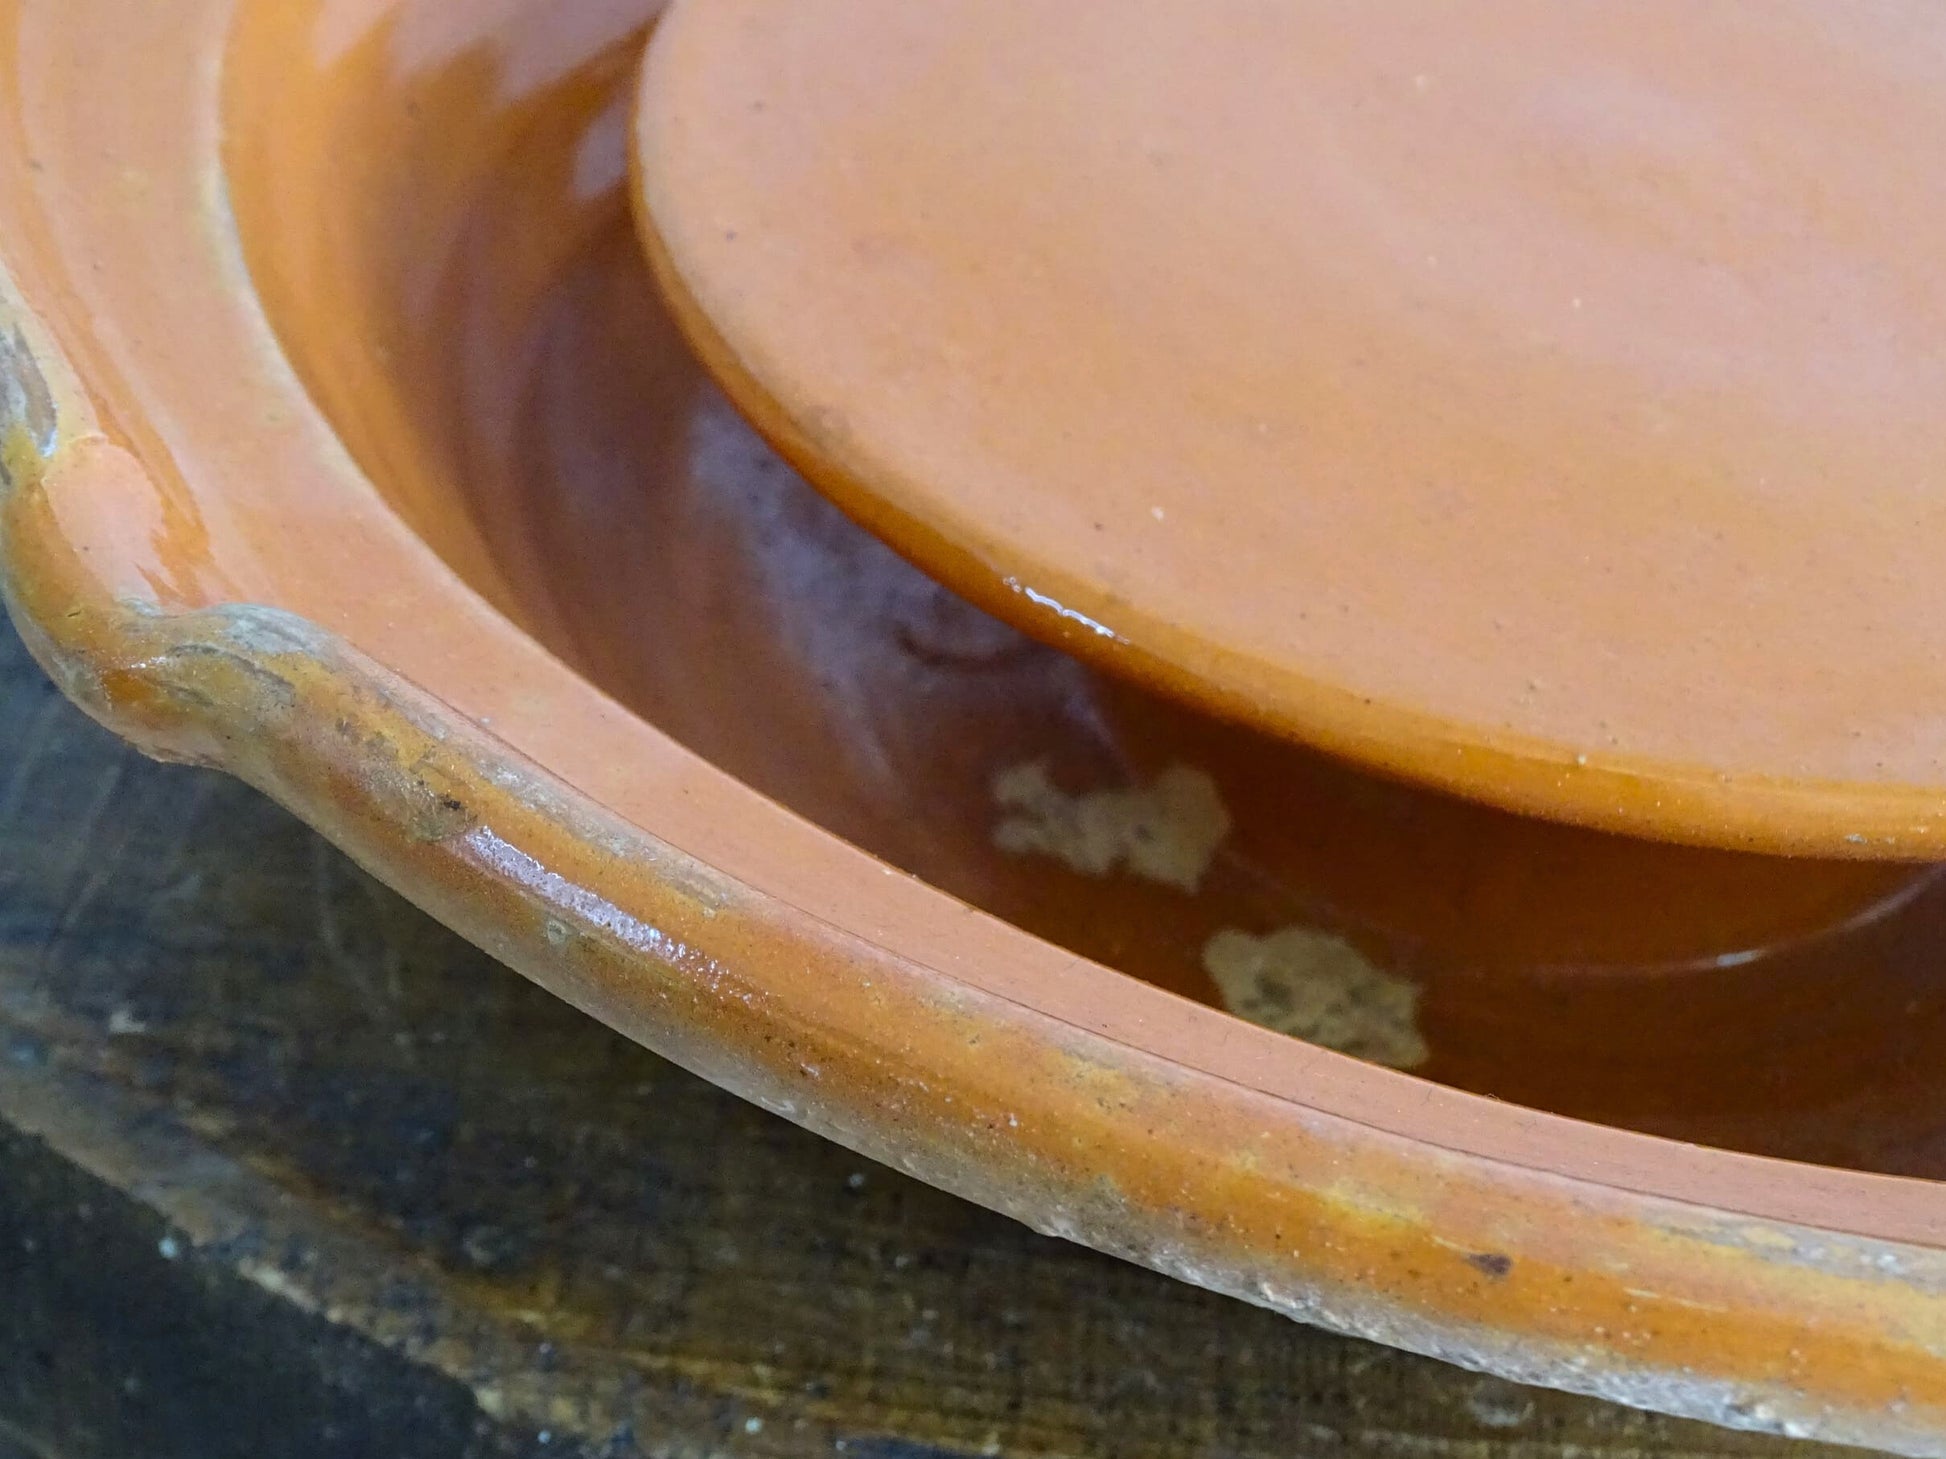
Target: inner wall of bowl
x=431 y=197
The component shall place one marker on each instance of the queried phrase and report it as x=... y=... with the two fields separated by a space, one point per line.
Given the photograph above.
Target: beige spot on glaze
x=1166 y=831
x=1317 y=987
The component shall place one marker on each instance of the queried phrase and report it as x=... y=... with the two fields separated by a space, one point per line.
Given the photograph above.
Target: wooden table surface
x=288 y=1169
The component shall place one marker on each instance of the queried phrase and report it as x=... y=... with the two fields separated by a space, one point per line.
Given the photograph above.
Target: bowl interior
x=431 y=199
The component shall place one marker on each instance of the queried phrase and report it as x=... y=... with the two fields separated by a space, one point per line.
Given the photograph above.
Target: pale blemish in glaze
x=1166 y=831
x=1316 y=986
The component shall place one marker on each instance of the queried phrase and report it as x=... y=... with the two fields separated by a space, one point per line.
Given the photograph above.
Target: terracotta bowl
x=345 y=446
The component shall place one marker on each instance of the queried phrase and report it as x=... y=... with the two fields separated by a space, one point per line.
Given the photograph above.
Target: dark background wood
x=287 y=1169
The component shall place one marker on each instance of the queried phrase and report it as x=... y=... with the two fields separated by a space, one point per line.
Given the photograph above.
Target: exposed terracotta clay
x=418 y=515
x=1536 y=401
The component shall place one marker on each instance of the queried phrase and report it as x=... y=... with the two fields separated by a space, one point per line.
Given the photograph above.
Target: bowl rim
x=187 y=548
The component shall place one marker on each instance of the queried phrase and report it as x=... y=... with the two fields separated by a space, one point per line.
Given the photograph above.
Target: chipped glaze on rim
x=195 y=561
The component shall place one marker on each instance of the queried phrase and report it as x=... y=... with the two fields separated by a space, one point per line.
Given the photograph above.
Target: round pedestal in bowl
x=1537 y=403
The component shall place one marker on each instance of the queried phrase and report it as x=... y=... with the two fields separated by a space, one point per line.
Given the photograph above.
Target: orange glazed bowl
x=345 y=445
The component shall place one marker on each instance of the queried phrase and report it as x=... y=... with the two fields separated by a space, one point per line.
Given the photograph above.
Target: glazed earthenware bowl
x=346 y=446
